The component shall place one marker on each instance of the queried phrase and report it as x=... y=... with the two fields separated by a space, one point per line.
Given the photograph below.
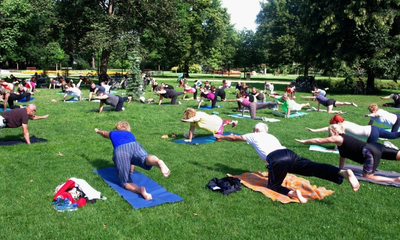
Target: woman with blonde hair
x=211 y=123
x=383 y=117
x=369 y=133
x=127 y=154
x=368 y=154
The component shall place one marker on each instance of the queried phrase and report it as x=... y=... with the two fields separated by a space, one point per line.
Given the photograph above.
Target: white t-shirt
x=357 y=131
x=263 y=143
x=385 y=117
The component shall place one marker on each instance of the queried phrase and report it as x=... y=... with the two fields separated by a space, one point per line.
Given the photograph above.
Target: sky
x=243 y=12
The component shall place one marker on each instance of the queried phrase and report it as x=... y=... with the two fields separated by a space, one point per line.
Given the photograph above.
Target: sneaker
x=234 y=123
x=390 y=145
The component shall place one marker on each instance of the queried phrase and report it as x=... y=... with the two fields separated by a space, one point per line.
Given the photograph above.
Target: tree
x=204 y=25
x=117 y=24
x=133 y=89
x=54 y=54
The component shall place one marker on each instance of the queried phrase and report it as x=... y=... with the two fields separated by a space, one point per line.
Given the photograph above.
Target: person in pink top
x=188 y=89
x=209 y=95
x=253 y=106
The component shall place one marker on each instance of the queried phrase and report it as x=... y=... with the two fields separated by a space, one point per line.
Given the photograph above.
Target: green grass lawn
x=29 y=174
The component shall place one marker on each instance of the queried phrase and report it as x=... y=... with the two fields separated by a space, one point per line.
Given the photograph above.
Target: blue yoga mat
x=209 y=107
x=24 y=99
x=160 y=194
x=292 y=115
x=389 y=129
x=2 y=109
x=239 y=116
x=202 y=140
x=72 y=100
x=319 y=148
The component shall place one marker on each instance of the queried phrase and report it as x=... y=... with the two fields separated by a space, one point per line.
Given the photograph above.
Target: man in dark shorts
x=19 y=117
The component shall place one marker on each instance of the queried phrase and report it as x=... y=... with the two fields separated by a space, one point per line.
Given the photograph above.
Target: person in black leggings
x=368 y=154
x=168 y=93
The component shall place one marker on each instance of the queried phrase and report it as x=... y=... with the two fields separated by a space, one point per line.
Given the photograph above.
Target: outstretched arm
x=338 y=140
x=104 y=134
x=387 y=97
x=325 y=129
x=231 y=137
x=192 y=119
x=39 y=117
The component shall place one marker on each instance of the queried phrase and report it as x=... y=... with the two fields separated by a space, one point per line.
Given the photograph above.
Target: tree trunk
x=370 y=81
x=105 y=55
x=93 y=63
x=306 y=68
x=143 y=64
x=185 y=71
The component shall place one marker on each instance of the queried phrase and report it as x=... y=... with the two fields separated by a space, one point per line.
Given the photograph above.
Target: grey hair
x=262 y=127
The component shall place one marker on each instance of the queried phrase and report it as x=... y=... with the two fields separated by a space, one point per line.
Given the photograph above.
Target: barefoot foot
x=164 y=169
x=349 y=175
x=297 y=194
x=145 y=194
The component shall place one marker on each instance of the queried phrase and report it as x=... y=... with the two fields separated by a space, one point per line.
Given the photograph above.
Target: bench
x=30 y=68
x=229 y=74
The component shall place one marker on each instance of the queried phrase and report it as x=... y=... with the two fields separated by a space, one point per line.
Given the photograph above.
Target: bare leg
x=329 y=110
x=349 y=176
x=152 y=160
x=297 y=194
x=140 y=190
x=345 y=103
x=305 y=105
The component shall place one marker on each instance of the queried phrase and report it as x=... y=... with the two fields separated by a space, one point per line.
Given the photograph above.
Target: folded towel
x=258 y=181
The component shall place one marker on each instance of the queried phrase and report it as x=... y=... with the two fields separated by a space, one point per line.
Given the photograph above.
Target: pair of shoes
x=123 y=109
x=390 y=145
x=234 y=123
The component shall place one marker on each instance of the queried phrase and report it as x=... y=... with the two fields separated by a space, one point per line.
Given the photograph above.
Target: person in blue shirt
x=127 y=154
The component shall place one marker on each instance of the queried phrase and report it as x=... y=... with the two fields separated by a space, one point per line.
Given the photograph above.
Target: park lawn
x=29 y=174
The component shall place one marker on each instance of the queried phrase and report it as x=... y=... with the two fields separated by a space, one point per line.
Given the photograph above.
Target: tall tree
x=205 y=23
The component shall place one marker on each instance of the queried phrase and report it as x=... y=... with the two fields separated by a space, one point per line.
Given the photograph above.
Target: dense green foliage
x=29 y=174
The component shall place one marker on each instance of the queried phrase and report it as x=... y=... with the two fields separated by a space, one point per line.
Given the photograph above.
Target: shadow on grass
x=218 y=167
x=98 y=163
x=104 y=109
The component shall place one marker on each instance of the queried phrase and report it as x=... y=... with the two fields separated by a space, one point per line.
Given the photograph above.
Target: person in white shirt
x=282 y=161
x=368 y=133
x=383 y=117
